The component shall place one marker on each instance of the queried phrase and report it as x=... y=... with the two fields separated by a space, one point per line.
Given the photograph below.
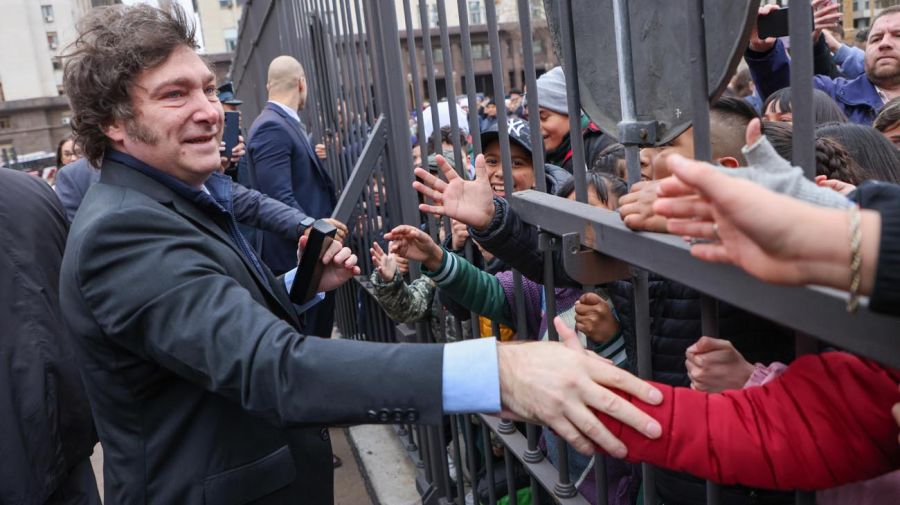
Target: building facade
x=511 y=54
x=219 y=22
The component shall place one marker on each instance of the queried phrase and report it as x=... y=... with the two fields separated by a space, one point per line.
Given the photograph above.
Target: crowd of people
x=165 y=330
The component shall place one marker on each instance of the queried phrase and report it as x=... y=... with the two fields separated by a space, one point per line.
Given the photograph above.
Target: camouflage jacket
x=411 y=303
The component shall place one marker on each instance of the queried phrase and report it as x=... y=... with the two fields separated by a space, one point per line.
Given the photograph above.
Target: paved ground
x=349 y=486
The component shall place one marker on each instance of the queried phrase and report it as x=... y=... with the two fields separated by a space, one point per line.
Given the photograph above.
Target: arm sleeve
x=270 y=149
x=471 y=377
x=851 y=60
x=515 y=242
x=823 y=63
x=405 y=303
x=770 y=71
x=885 y=198
x=200 y=323
x=825 y=422
x=474 y=289
x=255 y=209
x=70 y=195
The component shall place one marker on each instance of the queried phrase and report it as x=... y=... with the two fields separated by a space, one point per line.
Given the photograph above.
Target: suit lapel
x=116 y=174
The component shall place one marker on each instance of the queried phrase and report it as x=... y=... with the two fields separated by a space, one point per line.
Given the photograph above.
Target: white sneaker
x=451 y=466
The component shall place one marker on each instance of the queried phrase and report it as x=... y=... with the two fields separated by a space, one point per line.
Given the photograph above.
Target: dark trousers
x=79 y=488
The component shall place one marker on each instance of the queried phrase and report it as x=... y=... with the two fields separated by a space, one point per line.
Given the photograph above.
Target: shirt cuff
x=471 y=377
x=289 y=281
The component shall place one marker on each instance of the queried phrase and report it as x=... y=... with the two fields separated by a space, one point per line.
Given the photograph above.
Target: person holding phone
x=860 y=98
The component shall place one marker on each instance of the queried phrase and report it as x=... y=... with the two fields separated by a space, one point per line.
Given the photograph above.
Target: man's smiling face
x=177 y=118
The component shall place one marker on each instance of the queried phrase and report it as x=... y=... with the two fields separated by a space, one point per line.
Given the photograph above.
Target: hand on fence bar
x=561 y=384
x=460 y=234
x=714 y=365
x=470 y=202
x=341 y=229
x=771 y=236
x=636 y=208
x=340 y=265
x=594 y=317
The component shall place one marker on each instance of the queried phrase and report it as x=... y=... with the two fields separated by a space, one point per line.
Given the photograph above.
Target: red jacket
x=825 y=422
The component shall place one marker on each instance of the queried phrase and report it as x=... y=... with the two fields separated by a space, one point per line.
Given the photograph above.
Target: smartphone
x=309 y=270
x=232 y=131
x=773 y=24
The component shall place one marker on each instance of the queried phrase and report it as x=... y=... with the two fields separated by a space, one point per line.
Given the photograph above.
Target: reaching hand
x=385 y=263
x=714 y=365
x=340 y=265
x=844 y=188
x=750 y=226
x=636 y=208
x=826 y=16
x=757 y=44
x=594 y=318
x=468 y=201
x=460 y=232
x=412 y=243
x=561 y=384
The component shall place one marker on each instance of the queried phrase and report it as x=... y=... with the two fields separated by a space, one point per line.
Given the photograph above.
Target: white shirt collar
x=290 y=112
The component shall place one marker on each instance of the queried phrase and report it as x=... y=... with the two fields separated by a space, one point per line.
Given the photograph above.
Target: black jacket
x=885 y=198
x=45 y=419
x=674 y=326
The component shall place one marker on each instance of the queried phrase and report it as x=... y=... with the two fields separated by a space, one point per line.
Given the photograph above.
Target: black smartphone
x=309 y=270
x=232 y=131
x=773 y=24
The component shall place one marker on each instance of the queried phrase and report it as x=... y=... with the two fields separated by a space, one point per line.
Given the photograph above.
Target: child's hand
x=714 y=365
x=594 y=318
x=414 y=244
x=460 y=234
x=385 y=264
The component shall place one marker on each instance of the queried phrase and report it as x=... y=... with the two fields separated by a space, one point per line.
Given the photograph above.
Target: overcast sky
x=188 y=7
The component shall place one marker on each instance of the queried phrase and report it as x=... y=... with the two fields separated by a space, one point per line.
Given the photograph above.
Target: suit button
x=384 y=415
x=371 y=414
x=324 y=434
x=412 y=415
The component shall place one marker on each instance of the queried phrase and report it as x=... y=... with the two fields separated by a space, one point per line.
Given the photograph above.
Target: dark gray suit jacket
x=251 y=208
x=203 y=391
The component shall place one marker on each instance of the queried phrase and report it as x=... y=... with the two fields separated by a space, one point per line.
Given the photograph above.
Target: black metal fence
x=367 y=65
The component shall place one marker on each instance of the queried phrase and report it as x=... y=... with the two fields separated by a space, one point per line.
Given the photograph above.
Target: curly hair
x=115 y=44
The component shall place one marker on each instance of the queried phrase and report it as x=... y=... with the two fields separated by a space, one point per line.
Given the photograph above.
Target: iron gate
x=362 y=86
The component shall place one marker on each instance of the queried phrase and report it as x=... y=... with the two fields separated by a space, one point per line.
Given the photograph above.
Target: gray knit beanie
x=552 y=91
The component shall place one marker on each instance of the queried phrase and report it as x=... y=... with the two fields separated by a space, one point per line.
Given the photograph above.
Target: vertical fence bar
x=639 y=280
x=573 y=99
x=702 y=152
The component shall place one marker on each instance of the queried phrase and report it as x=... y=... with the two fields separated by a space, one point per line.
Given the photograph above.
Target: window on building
x=537 y=46
x=47 y=13
x=60 y=90
x=57 y=65
x=2 y=96
x=225 y=4
x=438 y=55
x=481 y=51
x=475 y=12
x=53 y=40
x=433 y=17
x=5 y=123
x=230 y=35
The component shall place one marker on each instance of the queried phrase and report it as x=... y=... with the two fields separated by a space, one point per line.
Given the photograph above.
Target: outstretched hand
x=470 y=202
x=340 y=265
x=414 y=244
x=385 y=263
x=561 y=384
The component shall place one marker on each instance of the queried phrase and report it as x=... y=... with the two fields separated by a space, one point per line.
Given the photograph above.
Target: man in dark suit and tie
x=283 y=165
x=202 y=387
